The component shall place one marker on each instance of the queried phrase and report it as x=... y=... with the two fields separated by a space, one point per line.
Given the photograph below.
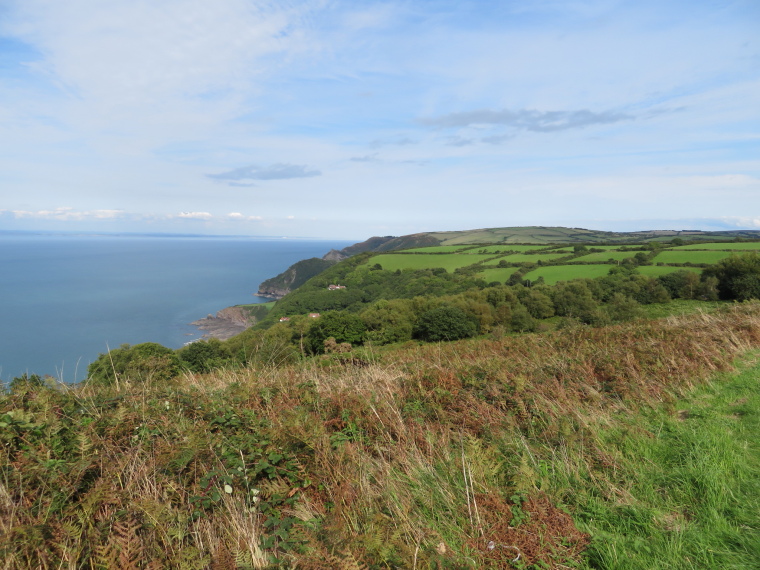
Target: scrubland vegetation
x=598 y=423
x=569 y=449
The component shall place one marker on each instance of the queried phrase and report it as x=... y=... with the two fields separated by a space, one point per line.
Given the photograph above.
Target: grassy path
x=687 y=485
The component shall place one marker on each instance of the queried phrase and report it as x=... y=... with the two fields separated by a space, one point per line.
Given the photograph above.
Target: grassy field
x=600 y=257
x=741 y=246
x=657 y=270
x=674 y=256
x=555 y=273
x=507 y=248
x=437 y=249
x=392 y=261
x=532 y=258
x=534 y=234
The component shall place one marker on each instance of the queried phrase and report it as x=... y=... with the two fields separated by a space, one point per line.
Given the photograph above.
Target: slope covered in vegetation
x=521 y=452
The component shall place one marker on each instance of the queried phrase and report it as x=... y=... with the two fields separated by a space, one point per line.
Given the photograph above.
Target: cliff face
x=293 y=277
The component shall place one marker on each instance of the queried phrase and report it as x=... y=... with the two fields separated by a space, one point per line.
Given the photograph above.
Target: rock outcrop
x=226 y=323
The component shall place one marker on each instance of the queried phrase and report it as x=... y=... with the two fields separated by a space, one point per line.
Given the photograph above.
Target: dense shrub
x=204 y=356
x=144 y=362
x=445 y=323
x=738 y=276
x=343 y=327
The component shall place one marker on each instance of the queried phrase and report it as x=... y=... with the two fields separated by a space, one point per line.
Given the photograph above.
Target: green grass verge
x=684 y=492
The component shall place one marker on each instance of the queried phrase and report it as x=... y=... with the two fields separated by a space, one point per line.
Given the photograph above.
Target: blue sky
x=337 y=119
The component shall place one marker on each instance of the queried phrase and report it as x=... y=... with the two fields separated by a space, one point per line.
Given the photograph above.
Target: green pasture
x=741 y=246
x=437 y=249
x=657 y=270
x=531 y=258
x=507 y=248
x=603 y=256
x=680 y=256
x=500 y=274
x=394 y=261
x=555 y=273
x=608 y=247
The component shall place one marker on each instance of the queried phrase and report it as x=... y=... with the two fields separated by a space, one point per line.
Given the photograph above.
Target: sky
x=347 y=119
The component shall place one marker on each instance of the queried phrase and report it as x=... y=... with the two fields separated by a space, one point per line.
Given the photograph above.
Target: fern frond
x=125 y=538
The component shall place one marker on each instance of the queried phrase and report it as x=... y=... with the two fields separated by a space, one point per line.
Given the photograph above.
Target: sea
x=64 y=299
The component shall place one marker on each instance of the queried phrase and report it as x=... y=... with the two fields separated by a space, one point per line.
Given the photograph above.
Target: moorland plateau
x=503 y=398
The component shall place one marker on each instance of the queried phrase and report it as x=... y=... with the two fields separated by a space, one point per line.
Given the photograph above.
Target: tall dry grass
x=425 y=456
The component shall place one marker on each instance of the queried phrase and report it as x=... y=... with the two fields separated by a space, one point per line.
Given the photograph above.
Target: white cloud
x=133 y=52
x=238 y=217
x=195 y=215
x=68 y=214
x=539 y=110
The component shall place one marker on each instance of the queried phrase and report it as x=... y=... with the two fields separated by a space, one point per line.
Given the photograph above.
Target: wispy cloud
x=526 y=119
x=65 y=213
x=195 y=215
x=281 y=171
x=238 y=217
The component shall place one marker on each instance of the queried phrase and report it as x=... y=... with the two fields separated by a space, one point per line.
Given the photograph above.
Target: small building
x=283 y=319
x=335 y=287
x=314 y=315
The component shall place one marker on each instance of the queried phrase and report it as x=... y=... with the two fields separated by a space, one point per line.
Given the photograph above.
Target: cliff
x=293 y=277
x=230 y=321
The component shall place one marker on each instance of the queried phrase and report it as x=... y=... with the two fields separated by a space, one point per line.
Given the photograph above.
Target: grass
x=680 y=256
x=555 y=273
x=508 y=248
x=680 y=307
x=738 y=246
x=687 y=480
x=451 y=455
x=532 y=258
x=392 y=262
x=657 y=270
x=606 y=255
x=437 y=249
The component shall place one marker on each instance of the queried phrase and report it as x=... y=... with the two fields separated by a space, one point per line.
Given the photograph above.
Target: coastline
x=225 y=324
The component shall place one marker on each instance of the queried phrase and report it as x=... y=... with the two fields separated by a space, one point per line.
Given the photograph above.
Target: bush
x=738 y=276
x=144 y=362
x=445 y=323
x=204 y=356
x=343 y=327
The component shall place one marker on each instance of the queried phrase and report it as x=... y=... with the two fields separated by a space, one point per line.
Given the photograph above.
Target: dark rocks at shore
x=225 y=324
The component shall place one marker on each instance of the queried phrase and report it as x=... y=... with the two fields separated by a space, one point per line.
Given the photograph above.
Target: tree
x=144 y=362
x=738 y=276
x=445 y=323
x=204 y=356
x=574 y=299
x=342 y=326
x=25 y=382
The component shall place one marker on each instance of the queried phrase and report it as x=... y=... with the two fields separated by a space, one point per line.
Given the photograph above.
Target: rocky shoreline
x=225 y=324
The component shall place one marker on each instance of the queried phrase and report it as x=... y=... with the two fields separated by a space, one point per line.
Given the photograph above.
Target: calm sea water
x=65 y=299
